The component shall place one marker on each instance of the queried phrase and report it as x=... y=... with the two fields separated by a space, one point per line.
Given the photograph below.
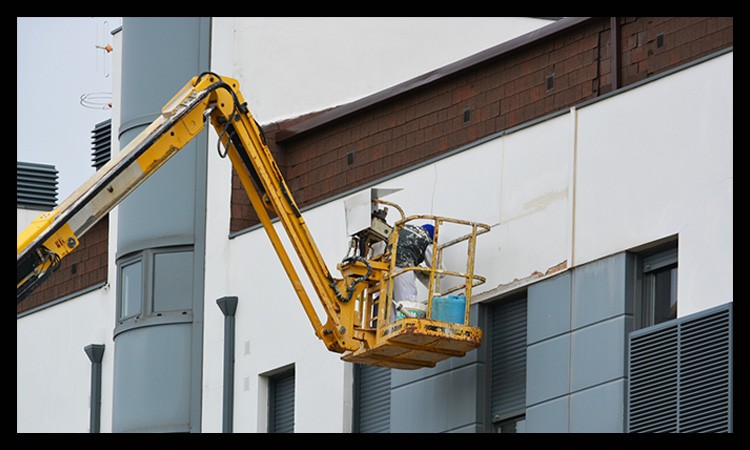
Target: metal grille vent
x=373 y=399
x=36 y=186
x=101 y=143
x=281 y=412
x=508 y=395
x=680 y=375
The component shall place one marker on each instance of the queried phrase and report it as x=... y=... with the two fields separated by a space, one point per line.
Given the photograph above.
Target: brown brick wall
x=84 y=267
x=498 y=94
x=683 y=39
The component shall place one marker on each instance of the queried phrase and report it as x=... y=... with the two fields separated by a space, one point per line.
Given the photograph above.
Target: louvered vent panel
x=680 y=375
x=508 y=395
x=282 y=396
x=374 y=402
x=705 y=374
x=36 y=186
x=101 y=144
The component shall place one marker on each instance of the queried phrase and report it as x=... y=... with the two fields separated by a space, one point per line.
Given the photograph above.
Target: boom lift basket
x=403 y=342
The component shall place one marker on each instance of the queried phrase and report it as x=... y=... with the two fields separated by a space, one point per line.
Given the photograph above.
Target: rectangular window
x=281 y=402
x=131 y=288
x=173 y=281
x=512 y=425
x=154 y=281
x=657 y=302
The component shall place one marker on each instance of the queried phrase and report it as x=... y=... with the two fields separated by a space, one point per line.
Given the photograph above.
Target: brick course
x=84 y=267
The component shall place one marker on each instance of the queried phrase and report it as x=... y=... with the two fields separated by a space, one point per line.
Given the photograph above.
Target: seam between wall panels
x=573 y=155
x=572 y=186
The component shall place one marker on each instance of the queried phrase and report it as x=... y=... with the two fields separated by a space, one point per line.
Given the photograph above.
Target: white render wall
x=664 y=166
x=287 y=67
x=616 y=174
x=290 y=66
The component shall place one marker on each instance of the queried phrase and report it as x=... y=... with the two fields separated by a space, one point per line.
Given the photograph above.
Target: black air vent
x=101 y=144
x=680 y=375
x=36 y=186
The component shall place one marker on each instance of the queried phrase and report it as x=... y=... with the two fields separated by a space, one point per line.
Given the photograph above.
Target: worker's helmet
x=430 y=230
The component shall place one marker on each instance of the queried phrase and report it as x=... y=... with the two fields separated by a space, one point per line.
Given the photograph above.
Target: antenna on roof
x=102 y=43
x=97 y=100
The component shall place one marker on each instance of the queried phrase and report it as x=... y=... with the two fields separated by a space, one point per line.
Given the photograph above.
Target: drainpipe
x=95 y=353
x=615 y=57
x=228 y=306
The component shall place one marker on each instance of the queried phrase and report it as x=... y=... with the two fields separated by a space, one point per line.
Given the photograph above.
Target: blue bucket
x=451 y=308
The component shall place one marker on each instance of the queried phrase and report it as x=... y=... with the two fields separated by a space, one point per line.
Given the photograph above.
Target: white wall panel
x=657 y=161
x=294 y=65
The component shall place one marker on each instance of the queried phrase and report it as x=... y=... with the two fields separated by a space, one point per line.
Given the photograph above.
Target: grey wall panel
x=549 y=308
x=151 y=374
x=159 y=56
x=160 y=45
x=597 y=353
x=600 y=409
x=444 y=402
x=548 y=370
x=599 y=291
x=548 y=417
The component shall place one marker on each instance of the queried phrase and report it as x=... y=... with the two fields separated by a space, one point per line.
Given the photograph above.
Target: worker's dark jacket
x=412 y=242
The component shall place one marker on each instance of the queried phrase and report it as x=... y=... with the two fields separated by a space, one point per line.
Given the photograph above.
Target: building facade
x=599 y=150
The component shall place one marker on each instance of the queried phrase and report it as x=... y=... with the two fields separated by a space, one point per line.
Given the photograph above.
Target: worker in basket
x=414 y=248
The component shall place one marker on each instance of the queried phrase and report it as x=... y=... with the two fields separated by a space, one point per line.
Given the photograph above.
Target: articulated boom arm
x=267 y=190
x=357 y=323
x=53 y=235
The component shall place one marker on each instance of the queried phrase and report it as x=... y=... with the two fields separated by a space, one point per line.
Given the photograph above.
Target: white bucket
x=414 y=309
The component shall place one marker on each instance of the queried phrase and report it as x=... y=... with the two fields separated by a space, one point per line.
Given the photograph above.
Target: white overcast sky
x=57 y=62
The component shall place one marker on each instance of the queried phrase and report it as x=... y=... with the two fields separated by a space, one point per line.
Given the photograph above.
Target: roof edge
x=335 y=113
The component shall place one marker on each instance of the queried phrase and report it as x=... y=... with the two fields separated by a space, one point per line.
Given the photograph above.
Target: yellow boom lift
x=359 y=324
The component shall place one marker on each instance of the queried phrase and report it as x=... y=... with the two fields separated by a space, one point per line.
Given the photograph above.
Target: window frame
x=121 y=266
x=147 y=311
x=651 y=264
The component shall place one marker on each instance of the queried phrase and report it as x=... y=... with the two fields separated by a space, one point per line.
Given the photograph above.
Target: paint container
x=413 y=309
x=451 y=308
